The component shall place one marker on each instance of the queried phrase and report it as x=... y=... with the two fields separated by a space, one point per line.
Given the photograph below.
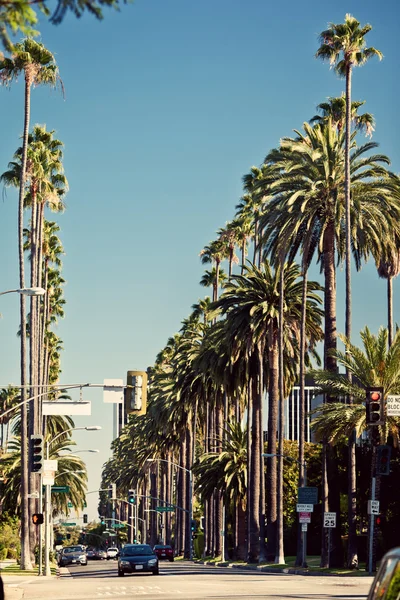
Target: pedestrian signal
x=37 y=519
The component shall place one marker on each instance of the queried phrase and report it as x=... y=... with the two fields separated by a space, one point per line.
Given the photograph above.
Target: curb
x=284 y=570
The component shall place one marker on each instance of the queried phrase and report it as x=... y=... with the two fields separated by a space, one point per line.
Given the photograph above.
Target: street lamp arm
x=170 y=463
x=36 y=396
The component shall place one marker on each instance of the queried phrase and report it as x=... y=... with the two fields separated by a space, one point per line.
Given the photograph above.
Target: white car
x=112 y=553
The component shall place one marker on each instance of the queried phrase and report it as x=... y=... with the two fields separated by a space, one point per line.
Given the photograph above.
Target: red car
x=164 y=552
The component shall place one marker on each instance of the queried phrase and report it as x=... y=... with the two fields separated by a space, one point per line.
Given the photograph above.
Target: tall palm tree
x=344 y=46
x=39 y=67
x=388 y=265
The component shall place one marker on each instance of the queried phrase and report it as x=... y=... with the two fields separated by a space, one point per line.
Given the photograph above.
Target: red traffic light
x=375 y=396
x=374 y=404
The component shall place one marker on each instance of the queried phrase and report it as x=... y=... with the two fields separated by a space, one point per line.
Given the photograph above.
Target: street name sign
x=68 y=524
x=373 y=507
x=304 y=517
x=307 y=495
x=393 y=406
x=165 y=508
x=61 y=489
x=330 y=519
x=305 y=507
x=119 y=525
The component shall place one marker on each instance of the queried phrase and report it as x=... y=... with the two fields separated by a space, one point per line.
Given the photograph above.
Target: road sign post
x=304 y=517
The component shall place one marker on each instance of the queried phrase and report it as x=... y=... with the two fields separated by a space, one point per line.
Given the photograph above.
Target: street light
x=47 y=571
x=304 y=533
x=33 y=291
x=190 y=498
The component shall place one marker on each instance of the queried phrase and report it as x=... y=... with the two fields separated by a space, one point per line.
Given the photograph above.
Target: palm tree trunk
x=262 y=555
x=273 y=394
x=280 y=556
x=390 y=309
x=302 y=404
x=254 y=479
x=25 y=544
x=249 y=453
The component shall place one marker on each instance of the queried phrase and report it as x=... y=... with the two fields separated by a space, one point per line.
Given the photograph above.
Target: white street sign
x=48 y=477
x=60 y=407
x=393 y=406
x=33 y=495
x=305 y=507
x=304 y=526
x=113 y=391
x=50 y=465
x=373 y=507
x=330 y=519
x=305 y=517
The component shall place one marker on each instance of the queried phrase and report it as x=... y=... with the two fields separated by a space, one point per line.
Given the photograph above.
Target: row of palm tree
x=320 y=196
x=37 y=171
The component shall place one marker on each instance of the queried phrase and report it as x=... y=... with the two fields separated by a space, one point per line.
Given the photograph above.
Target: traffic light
x=102 y=520
x=36 y=454
x=131 y=496
x=383 y=460
x=37 y=518
x=374 y=405
x=112 y=491
x=193 y=526
x=85 y=518
x=136 y=392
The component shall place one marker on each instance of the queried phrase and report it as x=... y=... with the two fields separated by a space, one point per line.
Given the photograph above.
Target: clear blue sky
x=168 y=103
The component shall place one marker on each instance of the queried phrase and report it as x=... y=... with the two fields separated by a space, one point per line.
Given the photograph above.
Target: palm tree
x=9 y=397
x=344 y=46
x=39 y=67
x=335 y=109
x=388 y=266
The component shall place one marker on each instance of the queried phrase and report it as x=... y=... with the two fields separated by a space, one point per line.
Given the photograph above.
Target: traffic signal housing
x=112 y=491
x=36 y=453
x=374 y=404
x=85 y=518
x=136 y=392
x=37 y=518
x=383 y=460
x=131 y=496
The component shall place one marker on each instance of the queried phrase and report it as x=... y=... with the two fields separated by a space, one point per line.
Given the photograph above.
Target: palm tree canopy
x=335 y=109
x=344 y=45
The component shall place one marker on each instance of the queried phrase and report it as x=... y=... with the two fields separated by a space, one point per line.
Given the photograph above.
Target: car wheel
x=120 y=573
x=171 y=560
x=156 y=572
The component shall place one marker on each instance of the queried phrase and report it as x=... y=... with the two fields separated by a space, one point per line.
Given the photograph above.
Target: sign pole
x=371 y=529
x=47 y=571
x=329 y=547
x=304 y=533
x=40 y=527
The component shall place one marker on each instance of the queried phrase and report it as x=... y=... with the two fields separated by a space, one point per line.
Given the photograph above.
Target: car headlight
x=125 y=563
x=152 y=561
x=82 y=557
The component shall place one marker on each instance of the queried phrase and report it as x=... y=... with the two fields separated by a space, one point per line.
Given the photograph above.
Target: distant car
x=91 y=553
x=112 y=553
x=386 y=585
x=101 y=554
x=164 y=552
x=72 y=555
x=137 y=558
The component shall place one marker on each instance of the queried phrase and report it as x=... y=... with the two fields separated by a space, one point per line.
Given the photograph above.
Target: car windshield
x=72 y=549
x=162 y=548
x=137 y=551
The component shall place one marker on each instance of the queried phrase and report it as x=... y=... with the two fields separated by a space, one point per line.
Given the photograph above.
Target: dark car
x=164 y=552
x=72 y=555
x=386 y=585
x=137 y=558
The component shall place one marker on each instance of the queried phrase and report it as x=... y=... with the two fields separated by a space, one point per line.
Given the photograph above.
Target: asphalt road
x=185 y=581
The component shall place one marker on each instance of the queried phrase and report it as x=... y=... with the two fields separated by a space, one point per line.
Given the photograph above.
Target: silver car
x=386 y=585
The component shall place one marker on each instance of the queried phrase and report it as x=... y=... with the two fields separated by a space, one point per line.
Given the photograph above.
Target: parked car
x=135 y=558
x=112 y=553
x=164 y=552
x=91 y=553
x=101 y=554
x=386 y=585
x=71 y=555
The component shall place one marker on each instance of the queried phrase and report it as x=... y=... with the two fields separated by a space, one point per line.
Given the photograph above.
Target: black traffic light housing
x=131 y=496
x=374 y=404
x=85 y=518
x=37 y=518
x=383 y=460
x=36 y=453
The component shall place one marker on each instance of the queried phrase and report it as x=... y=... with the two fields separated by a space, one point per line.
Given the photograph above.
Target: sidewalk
x=311 y=571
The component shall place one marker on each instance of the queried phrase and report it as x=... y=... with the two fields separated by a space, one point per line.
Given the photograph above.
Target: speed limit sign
x=329 y=519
